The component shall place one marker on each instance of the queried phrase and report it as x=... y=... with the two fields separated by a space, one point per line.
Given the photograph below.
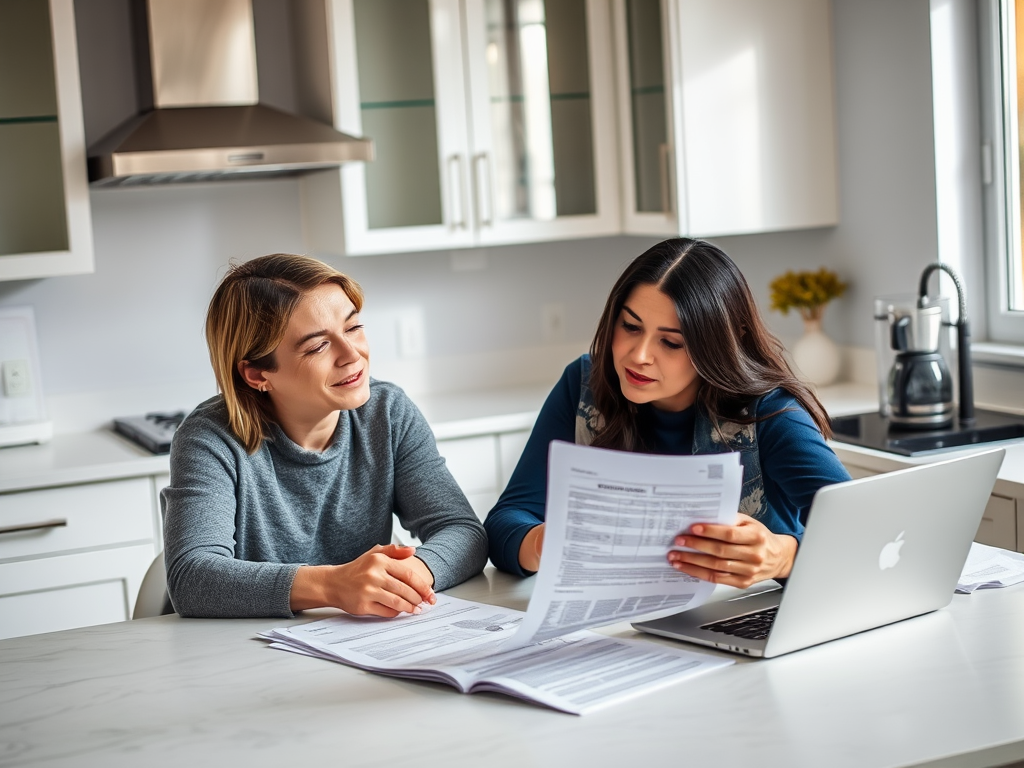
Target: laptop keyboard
x=752 y=626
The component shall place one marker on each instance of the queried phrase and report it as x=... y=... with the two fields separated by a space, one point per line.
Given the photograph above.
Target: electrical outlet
x=553 y=319
x=412 y=336
x=16 y=379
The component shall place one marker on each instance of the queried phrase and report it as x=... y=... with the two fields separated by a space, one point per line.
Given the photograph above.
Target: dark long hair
x=735 y=355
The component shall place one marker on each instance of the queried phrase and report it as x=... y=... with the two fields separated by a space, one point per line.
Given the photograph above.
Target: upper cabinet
x=727 y=118
x=45 y=226
x=493 y=121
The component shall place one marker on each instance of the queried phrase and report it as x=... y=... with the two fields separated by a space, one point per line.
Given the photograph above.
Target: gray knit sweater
x=237 y=527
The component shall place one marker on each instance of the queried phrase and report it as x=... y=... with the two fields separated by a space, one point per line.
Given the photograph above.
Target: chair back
x=153 y=599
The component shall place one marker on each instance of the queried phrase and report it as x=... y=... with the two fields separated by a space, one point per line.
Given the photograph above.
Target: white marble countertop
x=104 y=455
x=78 y=458
x=475 y=413
x=946 y=689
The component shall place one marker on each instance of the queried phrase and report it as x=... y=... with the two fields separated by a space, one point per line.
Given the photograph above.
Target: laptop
x=876 y=550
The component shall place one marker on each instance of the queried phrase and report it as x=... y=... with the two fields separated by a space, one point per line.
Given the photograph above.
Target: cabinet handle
x=33 y=526
x=457 y=195
x=483 y=189
x=664 y=157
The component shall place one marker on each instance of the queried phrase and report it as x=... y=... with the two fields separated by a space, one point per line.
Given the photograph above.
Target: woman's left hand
x=737 y=555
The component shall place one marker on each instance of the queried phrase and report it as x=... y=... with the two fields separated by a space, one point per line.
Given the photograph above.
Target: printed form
x=459 y=642
x=611 y=518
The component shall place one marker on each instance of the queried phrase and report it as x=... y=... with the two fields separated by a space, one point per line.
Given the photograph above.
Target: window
x=1001 y=38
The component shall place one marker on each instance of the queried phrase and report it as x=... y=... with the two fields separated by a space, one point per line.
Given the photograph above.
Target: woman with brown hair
x=283 y=485
x=683 y=364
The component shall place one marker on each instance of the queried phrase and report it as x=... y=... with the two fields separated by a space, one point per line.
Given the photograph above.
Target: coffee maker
x=916 y=385
x=920 y=386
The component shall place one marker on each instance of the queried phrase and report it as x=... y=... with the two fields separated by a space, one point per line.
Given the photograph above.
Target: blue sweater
x=795 y=462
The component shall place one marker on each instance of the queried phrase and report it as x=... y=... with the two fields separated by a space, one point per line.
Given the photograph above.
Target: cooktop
x=872 y=430
x=152 y=431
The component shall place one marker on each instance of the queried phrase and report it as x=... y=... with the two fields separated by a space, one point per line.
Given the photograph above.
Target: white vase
x=816 y=355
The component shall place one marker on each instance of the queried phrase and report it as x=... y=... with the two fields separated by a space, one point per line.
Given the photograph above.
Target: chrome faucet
x=963 y=339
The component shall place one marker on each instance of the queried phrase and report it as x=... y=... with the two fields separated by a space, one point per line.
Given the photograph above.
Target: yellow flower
x=807 y=292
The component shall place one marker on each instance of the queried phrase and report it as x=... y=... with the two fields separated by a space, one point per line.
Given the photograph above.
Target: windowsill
x=997 y=355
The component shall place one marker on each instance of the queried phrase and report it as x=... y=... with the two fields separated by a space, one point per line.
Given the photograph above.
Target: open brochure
x=460 y=643
x=611 y=519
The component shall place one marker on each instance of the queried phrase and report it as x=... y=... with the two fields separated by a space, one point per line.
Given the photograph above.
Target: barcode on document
x=715 y=471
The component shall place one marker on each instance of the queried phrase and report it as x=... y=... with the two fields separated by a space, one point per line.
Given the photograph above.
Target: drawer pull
x=33 y=526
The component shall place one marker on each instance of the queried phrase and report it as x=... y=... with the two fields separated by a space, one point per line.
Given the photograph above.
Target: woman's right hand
x=385 y=581
x=529 y=550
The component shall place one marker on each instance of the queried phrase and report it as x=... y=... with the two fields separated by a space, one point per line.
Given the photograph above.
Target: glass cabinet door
x=648 y=177
x=399 y=111
x=727 y=118
x=647 y=103
x=45 y=220
x=535 y=101
x=33 y=218
x=407 y=95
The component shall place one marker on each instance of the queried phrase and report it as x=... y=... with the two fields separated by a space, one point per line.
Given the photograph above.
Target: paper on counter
x=611 y=518
x=459 y=643
x=990 y=567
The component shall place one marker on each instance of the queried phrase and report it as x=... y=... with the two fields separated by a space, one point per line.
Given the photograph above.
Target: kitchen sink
x=872 y=430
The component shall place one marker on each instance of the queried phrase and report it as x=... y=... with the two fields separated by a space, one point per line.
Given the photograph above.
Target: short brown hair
x=247 y=318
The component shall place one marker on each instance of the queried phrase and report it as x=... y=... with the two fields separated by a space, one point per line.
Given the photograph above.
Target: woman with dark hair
x=683 y=364
x=283 y=486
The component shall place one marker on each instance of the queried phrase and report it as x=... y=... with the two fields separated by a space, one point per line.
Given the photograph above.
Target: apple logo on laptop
x=890 y=554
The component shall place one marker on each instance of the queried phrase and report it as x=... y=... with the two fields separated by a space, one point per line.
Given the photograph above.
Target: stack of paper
x=989 y=567
x=460 y=643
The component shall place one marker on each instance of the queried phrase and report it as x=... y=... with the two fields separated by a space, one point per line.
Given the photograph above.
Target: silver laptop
x=876 y=550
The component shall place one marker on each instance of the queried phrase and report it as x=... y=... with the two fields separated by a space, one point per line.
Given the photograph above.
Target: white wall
x=136 y=324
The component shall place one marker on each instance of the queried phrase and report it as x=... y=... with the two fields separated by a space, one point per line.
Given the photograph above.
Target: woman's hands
x=385 y=581
x=738 y=555
x=529 y=550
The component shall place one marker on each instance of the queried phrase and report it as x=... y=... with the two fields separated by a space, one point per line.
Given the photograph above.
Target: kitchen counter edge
x=102 y=455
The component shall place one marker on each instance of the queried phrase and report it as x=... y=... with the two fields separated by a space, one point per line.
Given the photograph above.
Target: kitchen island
x=945 y=689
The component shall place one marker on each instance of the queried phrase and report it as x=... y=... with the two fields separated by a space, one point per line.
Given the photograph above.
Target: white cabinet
x=727 y=117
x=481 y=465
x=857 y=473
x=473 y=462
x=1020 y=524
x=999 y=524
x=510 y=448
x=493 y=122
x=74 y=555
x=45 y=226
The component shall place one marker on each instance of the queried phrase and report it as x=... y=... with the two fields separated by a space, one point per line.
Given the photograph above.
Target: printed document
x=611 y=518
x=459 y=642
x=990 y=567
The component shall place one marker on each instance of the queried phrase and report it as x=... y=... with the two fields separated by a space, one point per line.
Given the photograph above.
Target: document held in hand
x=611 y=518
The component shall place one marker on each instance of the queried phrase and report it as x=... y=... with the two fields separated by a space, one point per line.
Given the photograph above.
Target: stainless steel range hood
x=207 y=122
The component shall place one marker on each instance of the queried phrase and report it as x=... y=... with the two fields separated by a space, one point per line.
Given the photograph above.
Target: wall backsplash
x=135 y=327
